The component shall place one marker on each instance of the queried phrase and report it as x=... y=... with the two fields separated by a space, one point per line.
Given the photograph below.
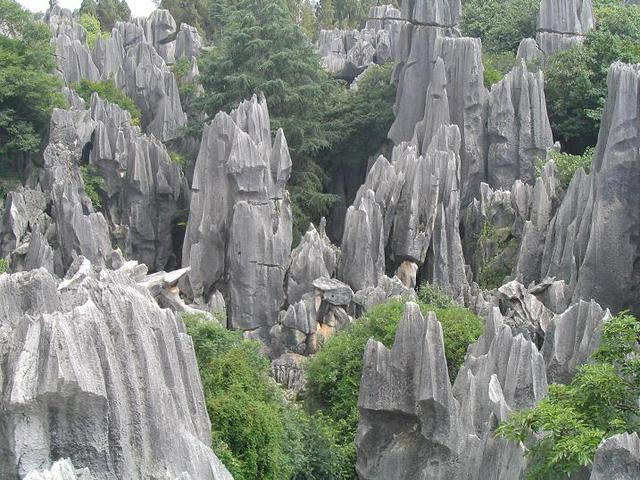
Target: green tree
x=107 y=90
x=191 y=12
x=501 y=24
x=92 y=26
x=263 y=50
x=333 y=374
x=576 y=79
x=563 y=431
x=108 y=12
x=29 y=89
x=326 y=14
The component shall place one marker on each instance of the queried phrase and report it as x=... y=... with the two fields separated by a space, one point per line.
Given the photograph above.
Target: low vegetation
x=4 y=266
x=107 y=90
x=94 y=184
x=562 y=433
x=333 y=377
x=567 y=165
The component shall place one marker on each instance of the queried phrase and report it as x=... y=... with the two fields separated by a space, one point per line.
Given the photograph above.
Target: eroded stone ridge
x=239 y=236
x=563 y=24
x=95 y=372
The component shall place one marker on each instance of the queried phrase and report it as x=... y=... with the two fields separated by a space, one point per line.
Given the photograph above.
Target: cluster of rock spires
x=137 y=57
x=464 y=158
x=347 y=53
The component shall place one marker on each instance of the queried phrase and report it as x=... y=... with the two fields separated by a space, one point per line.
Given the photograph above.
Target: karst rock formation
x=109 y=241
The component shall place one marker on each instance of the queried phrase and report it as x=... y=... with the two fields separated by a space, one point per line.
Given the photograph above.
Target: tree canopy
x=108 y=12
x=29 y=90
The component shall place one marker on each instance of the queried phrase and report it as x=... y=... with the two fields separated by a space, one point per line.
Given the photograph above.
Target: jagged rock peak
x=239 y=233
x=617 y=458
x=519 y=129
x=72 y=376
x=438 y=13
x=599 y=210
x=563 y=24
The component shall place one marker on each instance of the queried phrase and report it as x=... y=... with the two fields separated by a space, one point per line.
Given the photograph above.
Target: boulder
x=617 y=458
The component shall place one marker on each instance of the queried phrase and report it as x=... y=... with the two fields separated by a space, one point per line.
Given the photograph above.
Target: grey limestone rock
x=597 y=212
x=571 y=338
x=529 y=51
x=617 y=458
x=60 y=470
x=161 y=33
x=238 y=235
x=94 y=371
x=519 y=129
x=414 y=424
x=144 y=188
x=313 y=258
x=563 y=24
x=188 y=42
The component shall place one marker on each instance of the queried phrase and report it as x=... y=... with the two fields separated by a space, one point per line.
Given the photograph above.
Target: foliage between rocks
x=107 y=90
x=94 y=184
x=256 y=433
x=567 y=165
x=563 y=431
x=333 y=376
x=4 y=266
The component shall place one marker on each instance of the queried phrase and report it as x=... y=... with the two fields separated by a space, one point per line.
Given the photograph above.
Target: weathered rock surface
x=411 y=209
x=144 y=188
x=617 y=458
x=414 y=424
x=136 y=56
x=519 y=129
x=313 y=258
x=238 y=237
x=598 y=211
x=94 y=371
x=348 y=53
x=563 y=24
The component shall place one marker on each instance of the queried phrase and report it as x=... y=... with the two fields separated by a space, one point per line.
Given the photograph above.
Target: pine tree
x=326 y=14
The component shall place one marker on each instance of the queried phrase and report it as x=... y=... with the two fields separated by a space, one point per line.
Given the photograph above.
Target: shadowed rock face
x=415 y=424
x=592 y=240
x=239 y=236
x=136 y=56
x=563 y=23
x=347 y=53
x=617 y=458
x=94 y=371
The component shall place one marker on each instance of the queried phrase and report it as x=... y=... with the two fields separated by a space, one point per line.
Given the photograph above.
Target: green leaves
x=563 y=431
x=28 y=88
x=107 y=90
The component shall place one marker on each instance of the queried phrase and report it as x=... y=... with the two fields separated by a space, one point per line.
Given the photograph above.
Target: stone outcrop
x=136 y=56
x=409 y=208
x=617 y=458
x=413 y=422
x=313 y=258
x=95 y=372
x=563 y=24
x=347 y=53
x=143 y=188
x=519 y=129
x=592 y=240
x=238 y=237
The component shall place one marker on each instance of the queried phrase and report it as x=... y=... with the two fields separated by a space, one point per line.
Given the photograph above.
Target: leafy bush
x=496 y=66
x=92 y=26
x=434 y=295
x=4 y=266
x=333 y=375
x=501 y=24
x=255 y=432
x=567 y=165
x=563 y=431
x=29 y=88
x=107 y=90
x=94 y=184
x=576 y=79
x=178 y=158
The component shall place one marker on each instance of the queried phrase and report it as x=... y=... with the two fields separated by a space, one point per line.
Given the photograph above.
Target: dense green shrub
x=108 y=12
x=4 y=266
x=576 y=79
x=255 y=432
x=501 y=24
x=333 y=376
x=496 y=66
x=94 y=184
x=92 y=26
x=107 y=90
x=29 y=89
x=573 y=419
x=567 y=165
